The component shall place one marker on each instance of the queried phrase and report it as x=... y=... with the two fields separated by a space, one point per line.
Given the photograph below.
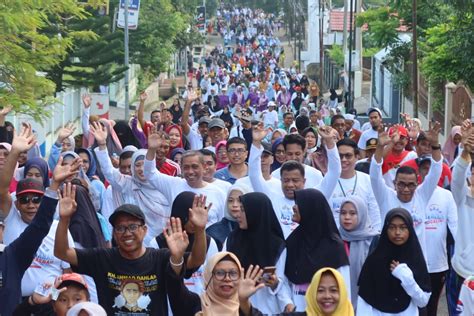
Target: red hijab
x=180 y=144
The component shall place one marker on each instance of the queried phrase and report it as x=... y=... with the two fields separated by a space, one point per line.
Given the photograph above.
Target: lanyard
x=353 y=189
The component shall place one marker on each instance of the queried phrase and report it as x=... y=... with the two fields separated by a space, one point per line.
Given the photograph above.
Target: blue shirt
x=224 y=174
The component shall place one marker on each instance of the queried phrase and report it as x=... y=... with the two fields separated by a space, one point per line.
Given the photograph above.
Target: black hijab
x=85 y=227
x=316 y=242
x=180 y=209
x=125 y=134
x=262 y=242
x=377 y=286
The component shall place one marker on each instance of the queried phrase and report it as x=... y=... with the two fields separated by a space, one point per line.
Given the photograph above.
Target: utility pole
x=321 y=44
x=351 y=40
x=415 y=61
x=127 y=107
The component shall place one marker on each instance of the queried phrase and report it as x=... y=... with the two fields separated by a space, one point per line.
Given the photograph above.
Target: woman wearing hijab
x=180 y=209
x=327 y=295
x=333 y=99
x=314 y=244
x=227 y=292
x=176 y=138
x=177 y=154
x=310 y=134
x=37 y=168
x=259 y=241
x=135 y=189
x=278 y=133
x=221 y=230
x=357 y=235
x=222 y=160
x=125 y=134
x=114 y=147
x=278 y=151
x=451 y=146
x=394 y=279
x=176 y=111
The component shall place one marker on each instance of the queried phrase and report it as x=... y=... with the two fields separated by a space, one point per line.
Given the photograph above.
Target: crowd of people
x=250 y=194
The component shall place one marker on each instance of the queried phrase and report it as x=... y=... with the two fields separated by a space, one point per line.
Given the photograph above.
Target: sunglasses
x=27 y=199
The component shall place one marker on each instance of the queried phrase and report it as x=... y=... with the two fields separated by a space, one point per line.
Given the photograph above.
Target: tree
x=25 y=50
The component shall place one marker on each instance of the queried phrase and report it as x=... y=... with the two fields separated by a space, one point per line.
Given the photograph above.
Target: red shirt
x=446 y=173
x=169 y=167
x=393 y=161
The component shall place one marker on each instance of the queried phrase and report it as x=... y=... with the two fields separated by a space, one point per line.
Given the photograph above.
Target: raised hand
x=156 y=137
x=86 y=100
x=199 y=212
x=192 y=95
x=143 y=96
x=259 y=133
x=25 y=140
x=466 y=130
x=433 y=133
x=383 y=139
x=177 y=239
x=66 y=131
x=249 y=284
x=4 y=111
x=413 y=129
x=67 y=201
x=100 y=133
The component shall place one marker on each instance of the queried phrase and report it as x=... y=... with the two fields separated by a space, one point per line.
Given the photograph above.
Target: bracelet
x=32 y=301
x=177 y=264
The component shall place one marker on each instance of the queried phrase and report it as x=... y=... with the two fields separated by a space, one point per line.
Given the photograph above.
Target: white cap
x=271 y=103
x=349 y=117
x=90 y=308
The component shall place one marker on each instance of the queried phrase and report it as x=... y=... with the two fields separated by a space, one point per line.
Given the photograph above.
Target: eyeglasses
x=131 y=228
x=403 y=185
x=279 y=152
x=347 y=156
x=33 y=199
x=239 y=151
x=220 y=275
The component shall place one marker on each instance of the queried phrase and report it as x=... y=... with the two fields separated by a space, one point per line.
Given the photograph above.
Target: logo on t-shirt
x=133 y=293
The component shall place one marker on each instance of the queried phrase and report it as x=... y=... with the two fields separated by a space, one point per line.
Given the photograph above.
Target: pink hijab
x=449 y=145
x=220 y=164
x=113 y=142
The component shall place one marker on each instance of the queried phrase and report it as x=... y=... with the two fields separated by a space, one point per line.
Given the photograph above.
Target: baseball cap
x=29 y=186
x=128 y=209
x=71 y=278
x=90 y=308
x=204 y=119
x=402 y=131
x=267 y=148
x=370 y=110
x=216 y=122
x=371 y=143
x=349 y=117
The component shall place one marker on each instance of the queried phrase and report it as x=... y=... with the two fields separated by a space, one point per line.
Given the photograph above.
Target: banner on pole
x=133 y=11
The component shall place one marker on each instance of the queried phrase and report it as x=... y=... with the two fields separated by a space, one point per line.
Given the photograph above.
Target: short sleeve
x=88 y=261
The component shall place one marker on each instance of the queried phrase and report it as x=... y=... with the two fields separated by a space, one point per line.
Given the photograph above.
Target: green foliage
x=337 y=55
x=382 y=26
x=25 y=50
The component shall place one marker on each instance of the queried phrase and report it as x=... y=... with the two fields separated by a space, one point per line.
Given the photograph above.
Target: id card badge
x=43 y=289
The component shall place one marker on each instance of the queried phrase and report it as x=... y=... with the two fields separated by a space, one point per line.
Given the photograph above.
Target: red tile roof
x=336 y=22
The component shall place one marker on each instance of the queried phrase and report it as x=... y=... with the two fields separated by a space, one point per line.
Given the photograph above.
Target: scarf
x=262 y=242
x=85 y=227
x=92 y=163
x=150 y=200
x=377 y=286
x=42 y=167
x=344 y=308
x=244 y=189
x=360 y=238
x=211 y=304
x=316 y=242
x=276 y=164
x=180 y=143
x=220 y=164
x=113 y=143
x=449 y=146
x=125 y=134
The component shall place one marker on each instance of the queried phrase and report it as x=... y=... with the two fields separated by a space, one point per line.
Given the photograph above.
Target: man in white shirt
x=441 y=213
x=407 y=194
x=352 y=182
x=192 y=169
x=375 y=120
x=293 y=176
x=195 y=138
x=270 y=116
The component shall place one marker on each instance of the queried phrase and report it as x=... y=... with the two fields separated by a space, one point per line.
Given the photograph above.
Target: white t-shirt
x=365 y=136
x=440 y=213
x=170 y=187
x=221 y=185
x=45 y=267
x=358 y=185
x=270 y=118
x=14 y=225
x=195 y=139
x=273 y=184
x=387 y=197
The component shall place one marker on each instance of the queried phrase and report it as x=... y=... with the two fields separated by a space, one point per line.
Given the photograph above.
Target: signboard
x=201 y=18
x=133 y=10
x=100 y=104
x=355 y=60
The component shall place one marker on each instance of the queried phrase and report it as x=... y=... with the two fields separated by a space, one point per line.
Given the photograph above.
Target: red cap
x=71 y=277
x=402 y=131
